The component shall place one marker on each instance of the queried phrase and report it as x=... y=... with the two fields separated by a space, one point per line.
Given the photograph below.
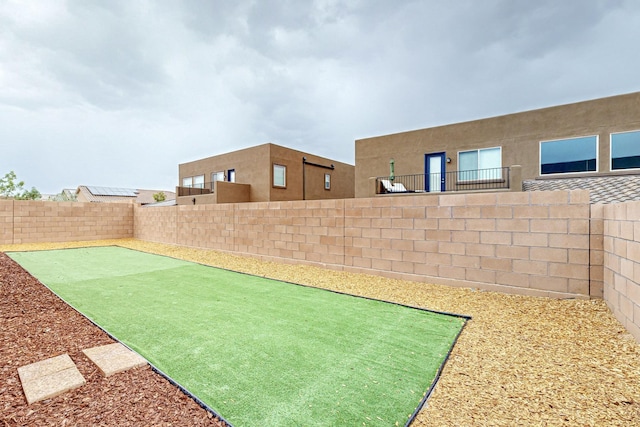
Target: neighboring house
x=597 y=138
x=266 y=172
x=86 y=193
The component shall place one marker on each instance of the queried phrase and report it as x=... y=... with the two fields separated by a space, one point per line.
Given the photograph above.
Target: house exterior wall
x=232 y=192
x=250 y=164
x=35 y=221
x=254 y=166
x=622 y=263
x=518 y=134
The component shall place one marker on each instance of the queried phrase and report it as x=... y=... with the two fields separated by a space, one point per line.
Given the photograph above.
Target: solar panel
x=112 y=191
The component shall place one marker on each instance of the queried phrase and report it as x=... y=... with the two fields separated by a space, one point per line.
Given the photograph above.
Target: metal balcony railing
x=196 y=189
x=469 y=180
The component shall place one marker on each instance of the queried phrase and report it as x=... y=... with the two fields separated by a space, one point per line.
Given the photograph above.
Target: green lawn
x=259 y=352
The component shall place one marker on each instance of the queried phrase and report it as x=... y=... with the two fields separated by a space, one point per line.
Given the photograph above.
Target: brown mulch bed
x=36 y=325
x=520 y=361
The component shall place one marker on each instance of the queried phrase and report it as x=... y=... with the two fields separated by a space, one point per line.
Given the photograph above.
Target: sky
x=118 y=93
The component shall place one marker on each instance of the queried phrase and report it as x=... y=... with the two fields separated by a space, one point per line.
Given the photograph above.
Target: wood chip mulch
x=36 y=325
x=520 y=361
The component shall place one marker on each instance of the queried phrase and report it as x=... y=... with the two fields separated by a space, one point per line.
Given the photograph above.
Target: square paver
x=114 y=358
x=49 y=378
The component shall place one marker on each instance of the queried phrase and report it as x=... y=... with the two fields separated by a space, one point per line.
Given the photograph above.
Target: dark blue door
x=434 y=172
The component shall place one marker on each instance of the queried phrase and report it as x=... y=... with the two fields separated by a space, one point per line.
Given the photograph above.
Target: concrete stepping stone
x=49 y=378
x=114 y=358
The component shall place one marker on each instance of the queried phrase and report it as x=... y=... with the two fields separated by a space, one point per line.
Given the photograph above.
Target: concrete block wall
x=596 y=251
x=302 y=231
x=6 y=222
x=530 y=243
x=34 y=221
x=155 y=224
x=206 y=226
x=534 y=243
x=622 y=263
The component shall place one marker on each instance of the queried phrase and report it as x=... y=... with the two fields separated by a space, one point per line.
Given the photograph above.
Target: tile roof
x=603 y=189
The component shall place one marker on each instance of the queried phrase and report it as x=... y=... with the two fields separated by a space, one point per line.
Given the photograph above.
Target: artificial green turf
x=259 y=352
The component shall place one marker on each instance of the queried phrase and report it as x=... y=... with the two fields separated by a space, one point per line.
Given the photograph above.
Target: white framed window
x=327 y=181
x=231 y=175
x=572 y=155
x=217 y=176
x=481 y=164
x=187 y=182
x=625 y=150
x=279 y=175
x=198 y=181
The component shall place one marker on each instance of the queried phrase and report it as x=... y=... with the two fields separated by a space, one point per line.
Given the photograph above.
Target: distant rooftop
x=112 y=191
x=602 y=189
x=92 y=193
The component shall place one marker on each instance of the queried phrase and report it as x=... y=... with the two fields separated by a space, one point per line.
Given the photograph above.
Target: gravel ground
x=519 y=361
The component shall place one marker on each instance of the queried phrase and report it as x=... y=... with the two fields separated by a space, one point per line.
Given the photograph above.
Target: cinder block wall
x=33 y=221
x=155 y=224
x=6 y=222
x=533 y=243
x=622 y=263
x=311 y=232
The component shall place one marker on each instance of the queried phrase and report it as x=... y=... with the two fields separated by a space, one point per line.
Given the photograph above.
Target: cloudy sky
x=118 y=93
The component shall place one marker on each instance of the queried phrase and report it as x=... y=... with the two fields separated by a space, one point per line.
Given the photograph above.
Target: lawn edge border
x=153 y=367
x=412 y=417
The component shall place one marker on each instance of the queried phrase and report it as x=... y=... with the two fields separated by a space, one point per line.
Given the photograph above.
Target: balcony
x=195 y=190
x=453 y=181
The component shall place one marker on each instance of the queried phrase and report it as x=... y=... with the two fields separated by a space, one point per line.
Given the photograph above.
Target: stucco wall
x=622 y=263
x=527 y=243
x=34 y=221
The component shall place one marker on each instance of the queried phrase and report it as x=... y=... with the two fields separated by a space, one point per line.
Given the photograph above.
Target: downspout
x=304 y=187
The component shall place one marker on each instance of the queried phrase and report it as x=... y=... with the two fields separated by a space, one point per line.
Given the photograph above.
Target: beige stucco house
x=597 y=138
x=266 y=172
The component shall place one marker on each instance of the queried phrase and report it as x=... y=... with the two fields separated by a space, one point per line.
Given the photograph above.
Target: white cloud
x=119 y=92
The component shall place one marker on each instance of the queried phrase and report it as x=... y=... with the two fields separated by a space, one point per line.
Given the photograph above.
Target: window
x=480 y=164
x=625 y=150
x=217 y=176
x=198 y=181
x=231 y=174
x=569 y=155
x=279 y=176
x=187 y=182
x=327 y=181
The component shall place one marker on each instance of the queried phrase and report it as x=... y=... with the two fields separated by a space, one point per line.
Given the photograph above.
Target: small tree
x=10 y=188
x=159 y=197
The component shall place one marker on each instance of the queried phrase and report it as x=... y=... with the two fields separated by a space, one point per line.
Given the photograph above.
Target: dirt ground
x=520 y=361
